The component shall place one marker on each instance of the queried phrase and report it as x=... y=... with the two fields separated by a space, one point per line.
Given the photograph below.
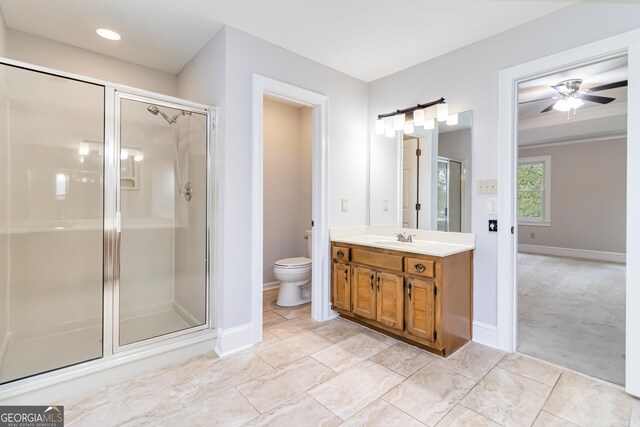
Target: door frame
x=113 y=192
x=623 y=44
x=320 y=274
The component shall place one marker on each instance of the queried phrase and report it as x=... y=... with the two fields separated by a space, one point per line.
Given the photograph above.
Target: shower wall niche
x=101 y=250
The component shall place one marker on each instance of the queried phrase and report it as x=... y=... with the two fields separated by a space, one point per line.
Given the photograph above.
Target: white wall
x=48 y=53
x=468 y=79
x=242 y=56
x=588 y=197
x=287 y=171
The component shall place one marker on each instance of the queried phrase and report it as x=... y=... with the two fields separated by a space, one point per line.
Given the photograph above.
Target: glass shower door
x=163 y=204
x=51 y=222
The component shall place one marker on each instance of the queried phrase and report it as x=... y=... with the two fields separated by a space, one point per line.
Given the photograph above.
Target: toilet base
x=293 y=293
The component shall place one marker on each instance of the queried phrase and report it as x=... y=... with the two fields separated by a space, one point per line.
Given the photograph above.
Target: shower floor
x=37 y=355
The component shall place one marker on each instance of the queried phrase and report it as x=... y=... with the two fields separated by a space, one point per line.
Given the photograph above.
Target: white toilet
x=294 y=275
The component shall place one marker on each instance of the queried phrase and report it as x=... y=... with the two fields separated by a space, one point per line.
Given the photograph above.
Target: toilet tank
x=307 y=236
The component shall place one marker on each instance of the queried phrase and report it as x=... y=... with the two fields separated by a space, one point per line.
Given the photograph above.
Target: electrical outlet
x=492 y=206
x=385 y=206
x=344 y=203
x=493 y=225
x=487 y=186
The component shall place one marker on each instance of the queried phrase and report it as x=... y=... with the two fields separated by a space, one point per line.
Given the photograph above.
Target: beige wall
x=48 y=53
x=4 y=296
x=588 y=197
x=287 y=182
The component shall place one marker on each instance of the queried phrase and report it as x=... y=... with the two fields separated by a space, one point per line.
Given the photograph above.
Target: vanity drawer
x=377 y=259
x=420 y=267
x=341 y=253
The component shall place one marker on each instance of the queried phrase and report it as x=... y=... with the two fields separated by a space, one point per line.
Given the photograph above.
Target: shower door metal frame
x=147 y=349
x=114 y=216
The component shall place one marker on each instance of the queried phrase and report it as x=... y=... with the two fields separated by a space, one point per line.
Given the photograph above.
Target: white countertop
x=425 y=242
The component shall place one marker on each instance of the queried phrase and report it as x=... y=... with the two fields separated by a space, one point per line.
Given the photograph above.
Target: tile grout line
x=476 y=384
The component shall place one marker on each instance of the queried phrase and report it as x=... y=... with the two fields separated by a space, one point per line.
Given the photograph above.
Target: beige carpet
x=572 y=312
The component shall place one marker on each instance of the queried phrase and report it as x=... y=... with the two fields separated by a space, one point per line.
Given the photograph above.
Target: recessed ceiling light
x=108 y=34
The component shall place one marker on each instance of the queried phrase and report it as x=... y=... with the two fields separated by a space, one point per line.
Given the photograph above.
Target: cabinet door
x=421 y=308
x=341 y=286
x=364 y=292
x=390 y=299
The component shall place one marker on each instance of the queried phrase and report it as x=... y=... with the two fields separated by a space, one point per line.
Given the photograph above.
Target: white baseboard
x=270 y=285
x=4 y=347
x=573 y=253
x=485 y=334
x=185 y=315
x=235 y=339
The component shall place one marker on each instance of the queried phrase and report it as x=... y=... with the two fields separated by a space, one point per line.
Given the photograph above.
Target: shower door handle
x=118 y=224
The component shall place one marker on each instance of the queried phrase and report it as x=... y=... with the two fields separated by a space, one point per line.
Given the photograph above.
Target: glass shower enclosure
x=104 y=229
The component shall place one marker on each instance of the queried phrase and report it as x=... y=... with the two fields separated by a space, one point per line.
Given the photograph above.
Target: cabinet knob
x=420 y=268
x=340 y=254
x=346 y=274
x=378 y=284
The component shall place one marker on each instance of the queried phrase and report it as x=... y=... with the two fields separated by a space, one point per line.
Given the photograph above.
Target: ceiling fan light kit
x=570 y=97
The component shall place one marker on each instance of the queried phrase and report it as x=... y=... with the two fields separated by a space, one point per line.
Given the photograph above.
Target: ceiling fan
x=570 y=96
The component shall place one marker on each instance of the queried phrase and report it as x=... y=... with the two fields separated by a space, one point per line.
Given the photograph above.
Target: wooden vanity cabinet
x=341 y=286
x=420 y=299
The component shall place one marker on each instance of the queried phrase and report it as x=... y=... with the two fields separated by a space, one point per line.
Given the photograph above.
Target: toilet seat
x=293 y=263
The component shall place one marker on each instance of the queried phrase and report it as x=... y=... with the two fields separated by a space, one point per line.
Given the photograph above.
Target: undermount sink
x=394 y=243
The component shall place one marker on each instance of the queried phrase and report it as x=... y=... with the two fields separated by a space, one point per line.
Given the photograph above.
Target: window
x=534 y=190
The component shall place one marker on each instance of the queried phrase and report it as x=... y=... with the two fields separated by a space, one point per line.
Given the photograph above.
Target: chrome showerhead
x=155 y=111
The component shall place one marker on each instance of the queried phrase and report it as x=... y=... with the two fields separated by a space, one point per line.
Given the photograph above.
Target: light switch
x=487 y=186
x=385 y=206
x=344 y=203
x=492 y=206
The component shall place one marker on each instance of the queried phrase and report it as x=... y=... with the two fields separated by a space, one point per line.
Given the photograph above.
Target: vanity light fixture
x=108 y=34
x=390 y=132
x=398 y=121
x=430 y=124
x=380 y=127
x=452 y=120
x=442 y=112
x=418 y=117
x=84 y=149
x=398 y=118
x=408 y=127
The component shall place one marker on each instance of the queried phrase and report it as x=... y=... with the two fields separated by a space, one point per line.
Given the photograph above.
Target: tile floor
x=338 y=373
x=571 y=312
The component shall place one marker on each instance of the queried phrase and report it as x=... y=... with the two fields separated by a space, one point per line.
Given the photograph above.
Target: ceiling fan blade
x=621 y=83
x=598 y=99
x=549 y=108
x=535 y=100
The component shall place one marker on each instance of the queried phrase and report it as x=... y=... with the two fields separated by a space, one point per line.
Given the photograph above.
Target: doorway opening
x=287 y=238
x=316 y=115
x=570 y=183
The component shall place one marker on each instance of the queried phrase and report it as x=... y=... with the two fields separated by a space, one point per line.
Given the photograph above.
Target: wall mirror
x=423 y=179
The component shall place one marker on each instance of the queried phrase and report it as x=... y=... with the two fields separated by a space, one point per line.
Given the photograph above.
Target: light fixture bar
x=412 y=109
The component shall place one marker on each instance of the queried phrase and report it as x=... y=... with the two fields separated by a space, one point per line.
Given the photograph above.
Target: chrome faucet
x=404 y=238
